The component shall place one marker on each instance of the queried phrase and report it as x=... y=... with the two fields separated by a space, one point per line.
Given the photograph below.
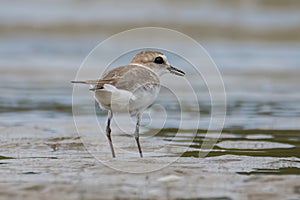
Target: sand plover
x=131 y=88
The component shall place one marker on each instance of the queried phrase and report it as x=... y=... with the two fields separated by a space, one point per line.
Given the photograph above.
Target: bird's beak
x=175 y=71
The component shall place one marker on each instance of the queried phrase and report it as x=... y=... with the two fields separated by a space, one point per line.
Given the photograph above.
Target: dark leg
x=136 y=134
x=108 y=131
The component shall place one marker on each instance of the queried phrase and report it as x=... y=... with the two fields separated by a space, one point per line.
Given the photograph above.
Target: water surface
x=260 y=68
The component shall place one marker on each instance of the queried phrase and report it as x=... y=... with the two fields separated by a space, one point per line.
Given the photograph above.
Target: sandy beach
x=45 y=163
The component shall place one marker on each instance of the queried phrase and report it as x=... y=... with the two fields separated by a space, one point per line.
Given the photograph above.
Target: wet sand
x=47 y=160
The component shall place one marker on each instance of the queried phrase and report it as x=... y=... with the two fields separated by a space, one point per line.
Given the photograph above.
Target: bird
x=131 y=88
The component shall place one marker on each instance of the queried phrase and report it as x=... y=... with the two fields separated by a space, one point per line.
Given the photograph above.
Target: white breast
x=144 y=97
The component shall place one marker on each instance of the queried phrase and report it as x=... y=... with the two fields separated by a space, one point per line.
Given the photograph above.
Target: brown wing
x=129 y=77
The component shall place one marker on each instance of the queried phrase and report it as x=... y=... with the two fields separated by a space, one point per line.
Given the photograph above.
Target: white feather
x=113 y=98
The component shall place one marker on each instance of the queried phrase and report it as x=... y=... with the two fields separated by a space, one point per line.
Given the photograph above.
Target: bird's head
x=156 y=61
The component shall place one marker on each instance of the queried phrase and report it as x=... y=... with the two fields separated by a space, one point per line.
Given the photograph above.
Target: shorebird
x=132 y=88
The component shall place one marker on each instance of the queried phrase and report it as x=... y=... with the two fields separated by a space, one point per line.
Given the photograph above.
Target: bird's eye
x=159 y=60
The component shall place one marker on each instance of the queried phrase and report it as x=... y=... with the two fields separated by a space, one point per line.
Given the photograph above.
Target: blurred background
x=255 y=43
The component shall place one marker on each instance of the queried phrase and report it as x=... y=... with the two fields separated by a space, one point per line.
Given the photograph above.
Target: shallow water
x=261 y=77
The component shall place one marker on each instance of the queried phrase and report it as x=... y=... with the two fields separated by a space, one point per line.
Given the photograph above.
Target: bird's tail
x=82 y=82
x=90 y=82
x=94 y=82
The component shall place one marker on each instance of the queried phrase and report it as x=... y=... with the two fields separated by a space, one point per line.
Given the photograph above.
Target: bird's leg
x=108 y=131
x=136 y=134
